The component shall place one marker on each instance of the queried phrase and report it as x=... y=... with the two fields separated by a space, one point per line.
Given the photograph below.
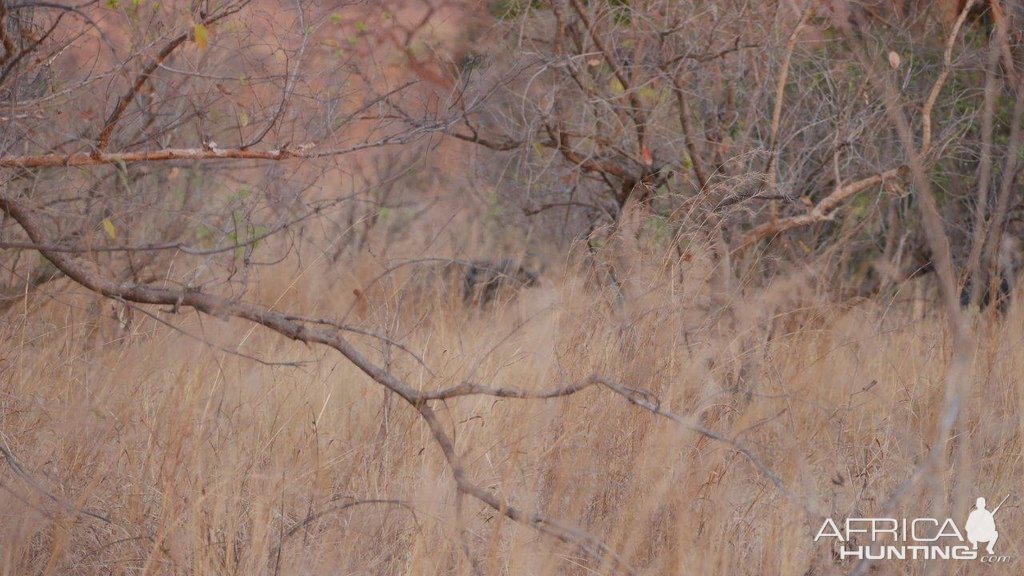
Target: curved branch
x=16 y=467
x=780 y=92
x=88 y=275
x=640 y=398
x=947 y=58
x=314 y=516
x=823 y=211
x=341 y=508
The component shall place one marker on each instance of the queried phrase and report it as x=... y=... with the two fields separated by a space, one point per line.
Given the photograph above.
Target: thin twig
x=17 y=468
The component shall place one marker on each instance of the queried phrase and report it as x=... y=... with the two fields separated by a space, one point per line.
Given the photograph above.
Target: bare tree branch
x=124 y=101
x=940 y=81
x=822 y=211
x=88 y=275
x=168 y=154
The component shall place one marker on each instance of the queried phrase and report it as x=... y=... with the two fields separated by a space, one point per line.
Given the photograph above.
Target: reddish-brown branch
x=83 y=159
x=122 y=103
x=168 y=154
x=5 y=40
x=103 y=140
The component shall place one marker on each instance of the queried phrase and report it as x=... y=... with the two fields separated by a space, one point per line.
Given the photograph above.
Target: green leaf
x=204 y=235
x=257 y=232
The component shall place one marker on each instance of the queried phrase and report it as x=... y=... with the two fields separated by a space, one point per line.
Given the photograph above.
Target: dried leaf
x=894 y=60
x=108 y=227
x=646 y=155
x=201 y=35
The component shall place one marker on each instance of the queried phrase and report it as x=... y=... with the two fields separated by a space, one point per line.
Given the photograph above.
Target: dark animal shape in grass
x=484 y=280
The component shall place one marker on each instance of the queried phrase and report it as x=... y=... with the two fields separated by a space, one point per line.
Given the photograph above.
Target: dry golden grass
x=205 y=462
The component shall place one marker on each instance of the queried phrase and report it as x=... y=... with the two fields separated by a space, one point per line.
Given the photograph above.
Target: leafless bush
x=175 y=160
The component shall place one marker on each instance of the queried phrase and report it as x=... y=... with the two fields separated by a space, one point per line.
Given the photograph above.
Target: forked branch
x=147 y=72
x=309 y=330
x=88 y=275
x=822 y=211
